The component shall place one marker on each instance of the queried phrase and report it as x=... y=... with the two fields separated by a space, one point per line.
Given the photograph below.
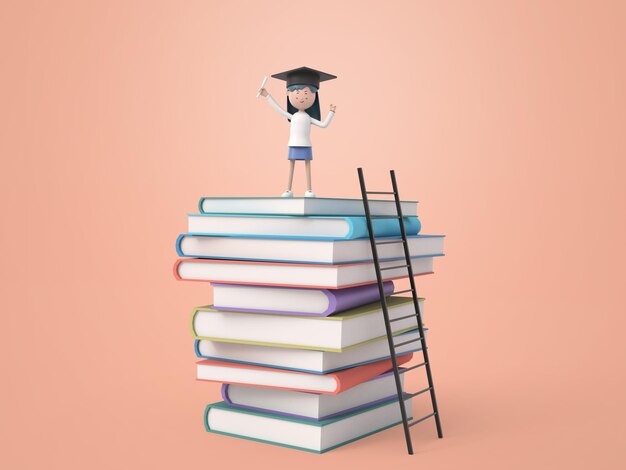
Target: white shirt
x=300 y=132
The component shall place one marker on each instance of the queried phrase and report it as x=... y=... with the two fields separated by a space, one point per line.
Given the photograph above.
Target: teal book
x=302 y=434
x=296 y=227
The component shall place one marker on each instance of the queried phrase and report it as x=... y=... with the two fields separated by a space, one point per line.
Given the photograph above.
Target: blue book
x=306 y=360
x=291 y=250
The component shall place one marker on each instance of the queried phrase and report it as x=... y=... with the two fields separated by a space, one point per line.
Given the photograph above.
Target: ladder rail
x=418 y=313
x=383 y=302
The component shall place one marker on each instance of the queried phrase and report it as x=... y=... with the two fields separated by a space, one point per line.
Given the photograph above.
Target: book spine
x=179 y=240
x=176 y=275
x=225 y=396
x=194 y=312
x=352 y=377
x=206 y=418
x=345 y=299
x=196 y=348
x=382 y=227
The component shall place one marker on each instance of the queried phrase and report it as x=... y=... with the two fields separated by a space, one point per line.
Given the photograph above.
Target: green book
x=335 y=333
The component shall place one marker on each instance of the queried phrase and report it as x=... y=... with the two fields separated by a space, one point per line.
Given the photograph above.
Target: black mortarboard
x=304 y=76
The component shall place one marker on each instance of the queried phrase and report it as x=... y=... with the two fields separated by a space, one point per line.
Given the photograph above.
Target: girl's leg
x=292 y=164
x=308 y=174
x=289 y=193
x=309 y=191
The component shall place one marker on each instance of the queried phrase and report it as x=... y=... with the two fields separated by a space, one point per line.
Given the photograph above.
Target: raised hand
x=333 y=107
x=263 y=92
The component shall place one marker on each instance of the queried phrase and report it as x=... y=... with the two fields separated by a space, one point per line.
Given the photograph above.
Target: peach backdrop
x=505 y=119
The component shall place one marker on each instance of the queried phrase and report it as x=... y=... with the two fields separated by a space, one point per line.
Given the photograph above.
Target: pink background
x=505 y=119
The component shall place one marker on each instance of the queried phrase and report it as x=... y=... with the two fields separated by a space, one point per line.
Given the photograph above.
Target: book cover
x=323 y=276
x=310 y=227
x=294 y=433
x=276 y=378
x=294 y=250
x=339 y=300
x=390 y=396
x=301 y=206
x=305 y=360
x=338 y=332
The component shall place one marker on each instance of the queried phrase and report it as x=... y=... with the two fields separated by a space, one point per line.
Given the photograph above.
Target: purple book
x=289 y=300
x=387 y=388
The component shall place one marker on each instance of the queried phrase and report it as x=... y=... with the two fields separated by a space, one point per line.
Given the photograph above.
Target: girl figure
x=303 y=109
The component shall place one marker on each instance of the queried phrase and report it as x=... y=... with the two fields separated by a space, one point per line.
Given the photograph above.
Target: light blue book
x=302 y=206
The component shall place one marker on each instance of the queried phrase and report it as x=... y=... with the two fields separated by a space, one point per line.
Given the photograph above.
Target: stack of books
x=296 y=333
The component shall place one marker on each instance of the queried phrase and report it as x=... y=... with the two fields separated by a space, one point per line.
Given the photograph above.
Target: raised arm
x=329 y=117
x=276 y=106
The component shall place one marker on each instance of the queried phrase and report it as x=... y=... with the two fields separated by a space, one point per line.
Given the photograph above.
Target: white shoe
x=287 y=193
x=309 y=194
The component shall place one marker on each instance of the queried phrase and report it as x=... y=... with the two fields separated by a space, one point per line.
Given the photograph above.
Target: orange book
x=258 y=376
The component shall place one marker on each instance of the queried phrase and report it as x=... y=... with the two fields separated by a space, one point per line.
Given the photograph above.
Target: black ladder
x=390 y=336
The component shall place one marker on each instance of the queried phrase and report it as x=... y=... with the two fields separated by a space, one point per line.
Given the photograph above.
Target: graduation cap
x=304 y=76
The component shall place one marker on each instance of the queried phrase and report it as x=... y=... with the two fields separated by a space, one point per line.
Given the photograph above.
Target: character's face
x=301 y=99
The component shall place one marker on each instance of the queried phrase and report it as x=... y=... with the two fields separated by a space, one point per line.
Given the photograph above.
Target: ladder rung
x=402 y=318
x=403 y=291
x=385 y=217
x=387 y=242
x=411 y=395
x=395 y=267
x=407 y=342
x=404 y=371
x=380 y=192
x=413 y=423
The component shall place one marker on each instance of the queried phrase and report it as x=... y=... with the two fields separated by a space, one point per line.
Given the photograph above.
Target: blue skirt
x=300 y=153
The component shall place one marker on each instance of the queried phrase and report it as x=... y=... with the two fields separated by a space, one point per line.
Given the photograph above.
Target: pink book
x=337 y=382
x=324 y=276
